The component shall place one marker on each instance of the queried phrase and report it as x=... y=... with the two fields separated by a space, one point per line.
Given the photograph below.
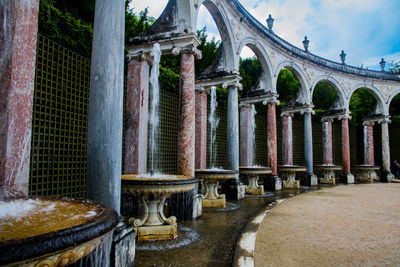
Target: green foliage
x=250 y=70
x=209 y=51
x=394 y=67
x=135 y=24
x=61 y=25
x=362 y=103
x=169 y=80
x=287 y=86
x=324 y=96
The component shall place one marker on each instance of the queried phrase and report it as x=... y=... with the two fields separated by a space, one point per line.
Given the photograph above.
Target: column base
x=123 y=246
x=387 y=177
x=214 y=203
x=348 y=178
x=311 y=179
x=157 y=232
x=234 y=189
x=273 y=183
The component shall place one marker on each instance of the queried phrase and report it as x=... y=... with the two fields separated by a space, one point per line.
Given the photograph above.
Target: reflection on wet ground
x=213 y=237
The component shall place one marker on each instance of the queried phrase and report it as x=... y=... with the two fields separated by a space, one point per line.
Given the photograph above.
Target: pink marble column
x=137 y=106
x=272 y=149
x=186 y=131
x=345 y=146
x=327 y=142
x=201 y=130
x=287 y=140
x=19 y=20
x=246 y=136
x=369 y=158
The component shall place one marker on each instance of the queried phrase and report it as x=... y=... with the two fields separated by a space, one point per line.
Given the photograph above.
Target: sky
x=366 y=30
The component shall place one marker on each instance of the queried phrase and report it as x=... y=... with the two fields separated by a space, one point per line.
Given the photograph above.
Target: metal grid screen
x=220 y=139
x=59 y=125
x=261 y=147
x=168 y=138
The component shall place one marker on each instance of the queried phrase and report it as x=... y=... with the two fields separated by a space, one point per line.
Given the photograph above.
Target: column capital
x=201 y=89
x=345 y=115
x=385 y=119
x=287 y=114
x=139 y=56
x=327 y=119
x=235 y=83
x=189 y=49
x=367 y=123
x=243 y=106
x=307 y=110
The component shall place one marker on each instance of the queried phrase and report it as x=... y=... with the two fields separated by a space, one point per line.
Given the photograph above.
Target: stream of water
x=213 y=120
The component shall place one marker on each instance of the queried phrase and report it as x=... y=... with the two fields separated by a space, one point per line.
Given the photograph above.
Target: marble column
x=233 y=129
x=327 y=158
x=246 y=135
x=137 y=107
x=388 y=176
x=201 y=130
x=186 y=131
x=308 y=148
x=287 y=140
x=348 y=177
x=19 y=20
x=272 y=143
x=106 y=104
x=369 y=158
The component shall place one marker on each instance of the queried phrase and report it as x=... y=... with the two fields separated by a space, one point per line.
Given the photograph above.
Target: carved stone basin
x=211 y=177
x=153 y=191
x=52 y=232
x=252 y=173
x=366 y=173
x=328 y=171
x=290 y=173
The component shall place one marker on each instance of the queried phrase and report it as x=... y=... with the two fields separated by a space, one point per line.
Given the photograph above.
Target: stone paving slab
x=354 y=225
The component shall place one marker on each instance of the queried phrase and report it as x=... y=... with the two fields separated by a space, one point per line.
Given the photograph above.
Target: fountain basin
x=52 y=232
x=328 y=171
x=366 y=173
x=212 y=177
x=153 y=191
x=252 y=172
x=290 y=173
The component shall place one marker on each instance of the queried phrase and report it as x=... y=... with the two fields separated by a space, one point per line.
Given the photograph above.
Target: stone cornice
x=224 y=82
x=265 y=99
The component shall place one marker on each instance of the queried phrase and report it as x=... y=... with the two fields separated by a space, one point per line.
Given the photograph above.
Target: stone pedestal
x=253 y=188
x=186 y=131
x=212 y=199
x=291 y=182
x=201 y=130
x=104 y=144
x=137 y=107
x=17 y=78
x=328 y=178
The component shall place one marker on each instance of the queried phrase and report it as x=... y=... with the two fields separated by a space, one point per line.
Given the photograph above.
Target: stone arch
x=381 y=108
x=298 y=72
x=262 y=56
x=221 y=20
x=392 y=95
x=335 y=85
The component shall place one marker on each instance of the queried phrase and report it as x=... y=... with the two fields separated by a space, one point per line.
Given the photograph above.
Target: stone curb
x=244 y=252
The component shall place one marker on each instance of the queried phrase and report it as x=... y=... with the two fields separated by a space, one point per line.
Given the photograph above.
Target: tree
x=287 y=86
x=362 y=103
x=394 y=67
x=250 y=70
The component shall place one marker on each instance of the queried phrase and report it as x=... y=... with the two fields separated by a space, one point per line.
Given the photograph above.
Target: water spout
x=154 y=118
x=214 y=121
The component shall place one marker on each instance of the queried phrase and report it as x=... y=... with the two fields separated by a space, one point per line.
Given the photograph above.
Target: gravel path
x=354 y=225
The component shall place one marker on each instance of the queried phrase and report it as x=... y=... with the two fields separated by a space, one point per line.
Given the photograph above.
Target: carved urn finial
x=342 y=57
x=306 y=42
x=270 y=22
x=383 y=64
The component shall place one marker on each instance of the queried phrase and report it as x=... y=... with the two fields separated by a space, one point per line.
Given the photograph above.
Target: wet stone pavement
x=210 y=240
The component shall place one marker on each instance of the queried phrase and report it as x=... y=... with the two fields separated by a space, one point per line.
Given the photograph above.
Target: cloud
x=366 y=30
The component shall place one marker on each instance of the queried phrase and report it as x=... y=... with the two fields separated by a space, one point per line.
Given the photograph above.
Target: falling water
x=253 y=130
x=154 y=103
x=214 y=121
